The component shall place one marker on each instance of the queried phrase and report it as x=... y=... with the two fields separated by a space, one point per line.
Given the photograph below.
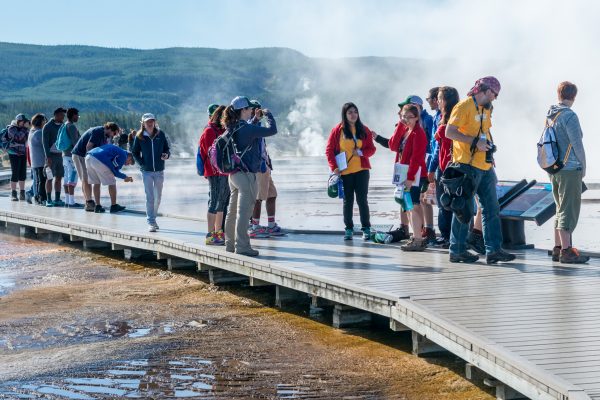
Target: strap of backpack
x=567 y=153
x=553 y=119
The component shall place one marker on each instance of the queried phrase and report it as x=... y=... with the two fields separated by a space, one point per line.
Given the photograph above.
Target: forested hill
x=134 y=80
x=177 y=84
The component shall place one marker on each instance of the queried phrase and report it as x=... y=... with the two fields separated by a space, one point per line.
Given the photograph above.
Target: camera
x=489 y=155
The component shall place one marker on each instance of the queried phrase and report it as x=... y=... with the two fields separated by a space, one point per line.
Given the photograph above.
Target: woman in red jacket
x=218 y=186
x=410 y=143
x=355 y=140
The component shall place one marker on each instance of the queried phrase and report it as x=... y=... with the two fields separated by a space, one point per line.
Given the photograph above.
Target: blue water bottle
x=340 y=189
x=407 y=200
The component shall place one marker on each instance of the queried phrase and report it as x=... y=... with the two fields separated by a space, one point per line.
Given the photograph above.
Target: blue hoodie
x=112 y=156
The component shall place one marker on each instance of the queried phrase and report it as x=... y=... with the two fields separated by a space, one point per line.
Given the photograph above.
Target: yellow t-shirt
x=467 y=117
x=347 y=146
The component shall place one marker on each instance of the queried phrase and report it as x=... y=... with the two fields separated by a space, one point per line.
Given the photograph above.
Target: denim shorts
x=218 y=194
x=70 y=178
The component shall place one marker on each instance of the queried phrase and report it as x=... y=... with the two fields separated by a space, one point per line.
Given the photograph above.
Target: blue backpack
x=199 y=163
x=63 y=141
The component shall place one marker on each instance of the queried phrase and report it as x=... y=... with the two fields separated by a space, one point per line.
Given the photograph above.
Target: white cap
x=147 y=117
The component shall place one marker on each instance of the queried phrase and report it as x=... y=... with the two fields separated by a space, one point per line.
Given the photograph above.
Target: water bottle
x=408 y=203
x=340 y=189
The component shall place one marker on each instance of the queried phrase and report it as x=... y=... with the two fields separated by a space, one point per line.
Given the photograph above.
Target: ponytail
x=230 y=117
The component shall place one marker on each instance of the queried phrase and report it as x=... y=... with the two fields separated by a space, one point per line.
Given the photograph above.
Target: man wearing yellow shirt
x=473 y=147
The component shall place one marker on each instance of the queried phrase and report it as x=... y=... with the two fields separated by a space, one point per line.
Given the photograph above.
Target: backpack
x=547 y=149
x=4 y=140
x=224 y=155
x=199 y=163
x=459 y=188
x=63 y=141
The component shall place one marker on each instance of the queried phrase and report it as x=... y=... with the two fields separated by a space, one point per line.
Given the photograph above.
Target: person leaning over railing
x=472 y=148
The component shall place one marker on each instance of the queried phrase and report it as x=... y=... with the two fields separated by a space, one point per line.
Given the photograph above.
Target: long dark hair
x=230 y=118
x=360 y=128
x=215 y=118
x=451 y=98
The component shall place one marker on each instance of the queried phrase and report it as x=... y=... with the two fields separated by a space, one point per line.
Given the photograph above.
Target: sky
x=530 y=45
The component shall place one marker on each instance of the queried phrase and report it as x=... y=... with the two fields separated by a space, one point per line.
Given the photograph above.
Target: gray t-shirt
x=36 y=149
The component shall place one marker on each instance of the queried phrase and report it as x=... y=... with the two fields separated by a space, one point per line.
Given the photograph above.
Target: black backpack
x=459 y=187
x=4 y=140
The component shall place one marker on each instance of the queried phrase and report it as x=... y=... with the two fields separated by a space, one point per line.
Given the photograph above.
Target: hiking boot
x=115 y=208
x=275 y=230
x=475 y=242
x=499 y=255
x=464 y=257
x=248 y=253
x=556 y=253
x=90 y=206
x=22 y=195
x=366 y=233
x=571 y=255
x=429 y=235
x=258 y=232
x=99 y=209
x=13 y=196
x=414 y=245
x=348 y=233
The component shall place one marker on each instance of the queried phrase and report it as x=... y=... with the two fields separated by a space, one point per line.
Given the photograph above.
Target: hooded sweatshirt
x=568 y=131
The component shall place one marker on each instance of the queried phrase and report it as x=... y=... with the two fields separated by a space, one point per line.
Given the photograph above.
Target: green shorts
x=566 y=188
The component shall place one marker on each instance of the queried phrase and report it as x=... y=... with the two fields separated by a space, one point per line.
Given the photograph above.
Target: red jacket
x=413 y=153
x=333 y=147
x=210 y=133
x=445 y=146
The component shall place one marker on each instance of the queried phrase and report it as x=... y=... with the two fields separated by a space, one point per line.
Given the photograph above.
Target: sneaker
x=275 y=230
x=59 y=203
x=22 y=195
x=99 y=209
x=499 y=255
x=151 y=228
x=221 y=235
x=348 y=233
x=260 y=232
x=475 y=242
x=464 y=257
x=556 y=253
x=28 y=197
x=49 y=203
x=366 y=233
x=115 y=208
x=156 y=226
x=571 y=255
x=414 y=245
x=90 y=206
x=13 y=196
x=219 y=238
x=75 y=205
x=248 y=253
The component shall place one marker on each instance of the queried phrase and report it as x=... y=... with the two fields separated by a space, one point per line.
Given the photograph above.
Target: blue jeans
x=485 y=184
x=153 y=185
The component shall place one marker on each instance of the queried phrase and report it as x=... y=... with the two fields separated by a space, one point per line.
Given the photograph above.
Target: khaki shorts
x=566 y=188
x=80 y=168
x=99 y=173
x=266 y=187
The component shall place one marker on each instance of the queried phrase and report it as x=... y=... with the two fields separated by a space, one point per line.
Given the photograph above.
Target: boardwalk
x=532 y=324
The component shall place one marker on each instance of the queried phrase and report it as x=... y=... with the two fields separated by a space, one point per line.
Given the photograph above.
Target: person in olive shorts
x=54 y=160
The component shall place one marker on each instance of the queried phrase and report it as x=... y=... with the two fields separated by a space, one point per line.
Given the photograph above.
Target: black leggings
x=18 y=167
x=356 y=183
x=40 y=181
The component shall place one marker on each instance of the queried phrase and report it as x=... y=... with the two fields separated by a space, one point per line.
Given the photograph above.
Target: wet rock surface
x=82 y=325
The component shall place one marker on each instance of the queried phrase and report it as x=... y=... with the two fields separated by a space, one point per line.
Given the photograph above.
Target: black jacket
x=147 y=151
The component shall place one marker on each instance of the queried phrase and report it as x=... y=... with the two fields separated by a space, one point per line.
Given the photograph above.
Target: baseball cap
x=412 y=99
x=255 y=104
x=59 y=110
x=147 y=117
x=211 y=109
x=21 y=117
x=240 y=102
